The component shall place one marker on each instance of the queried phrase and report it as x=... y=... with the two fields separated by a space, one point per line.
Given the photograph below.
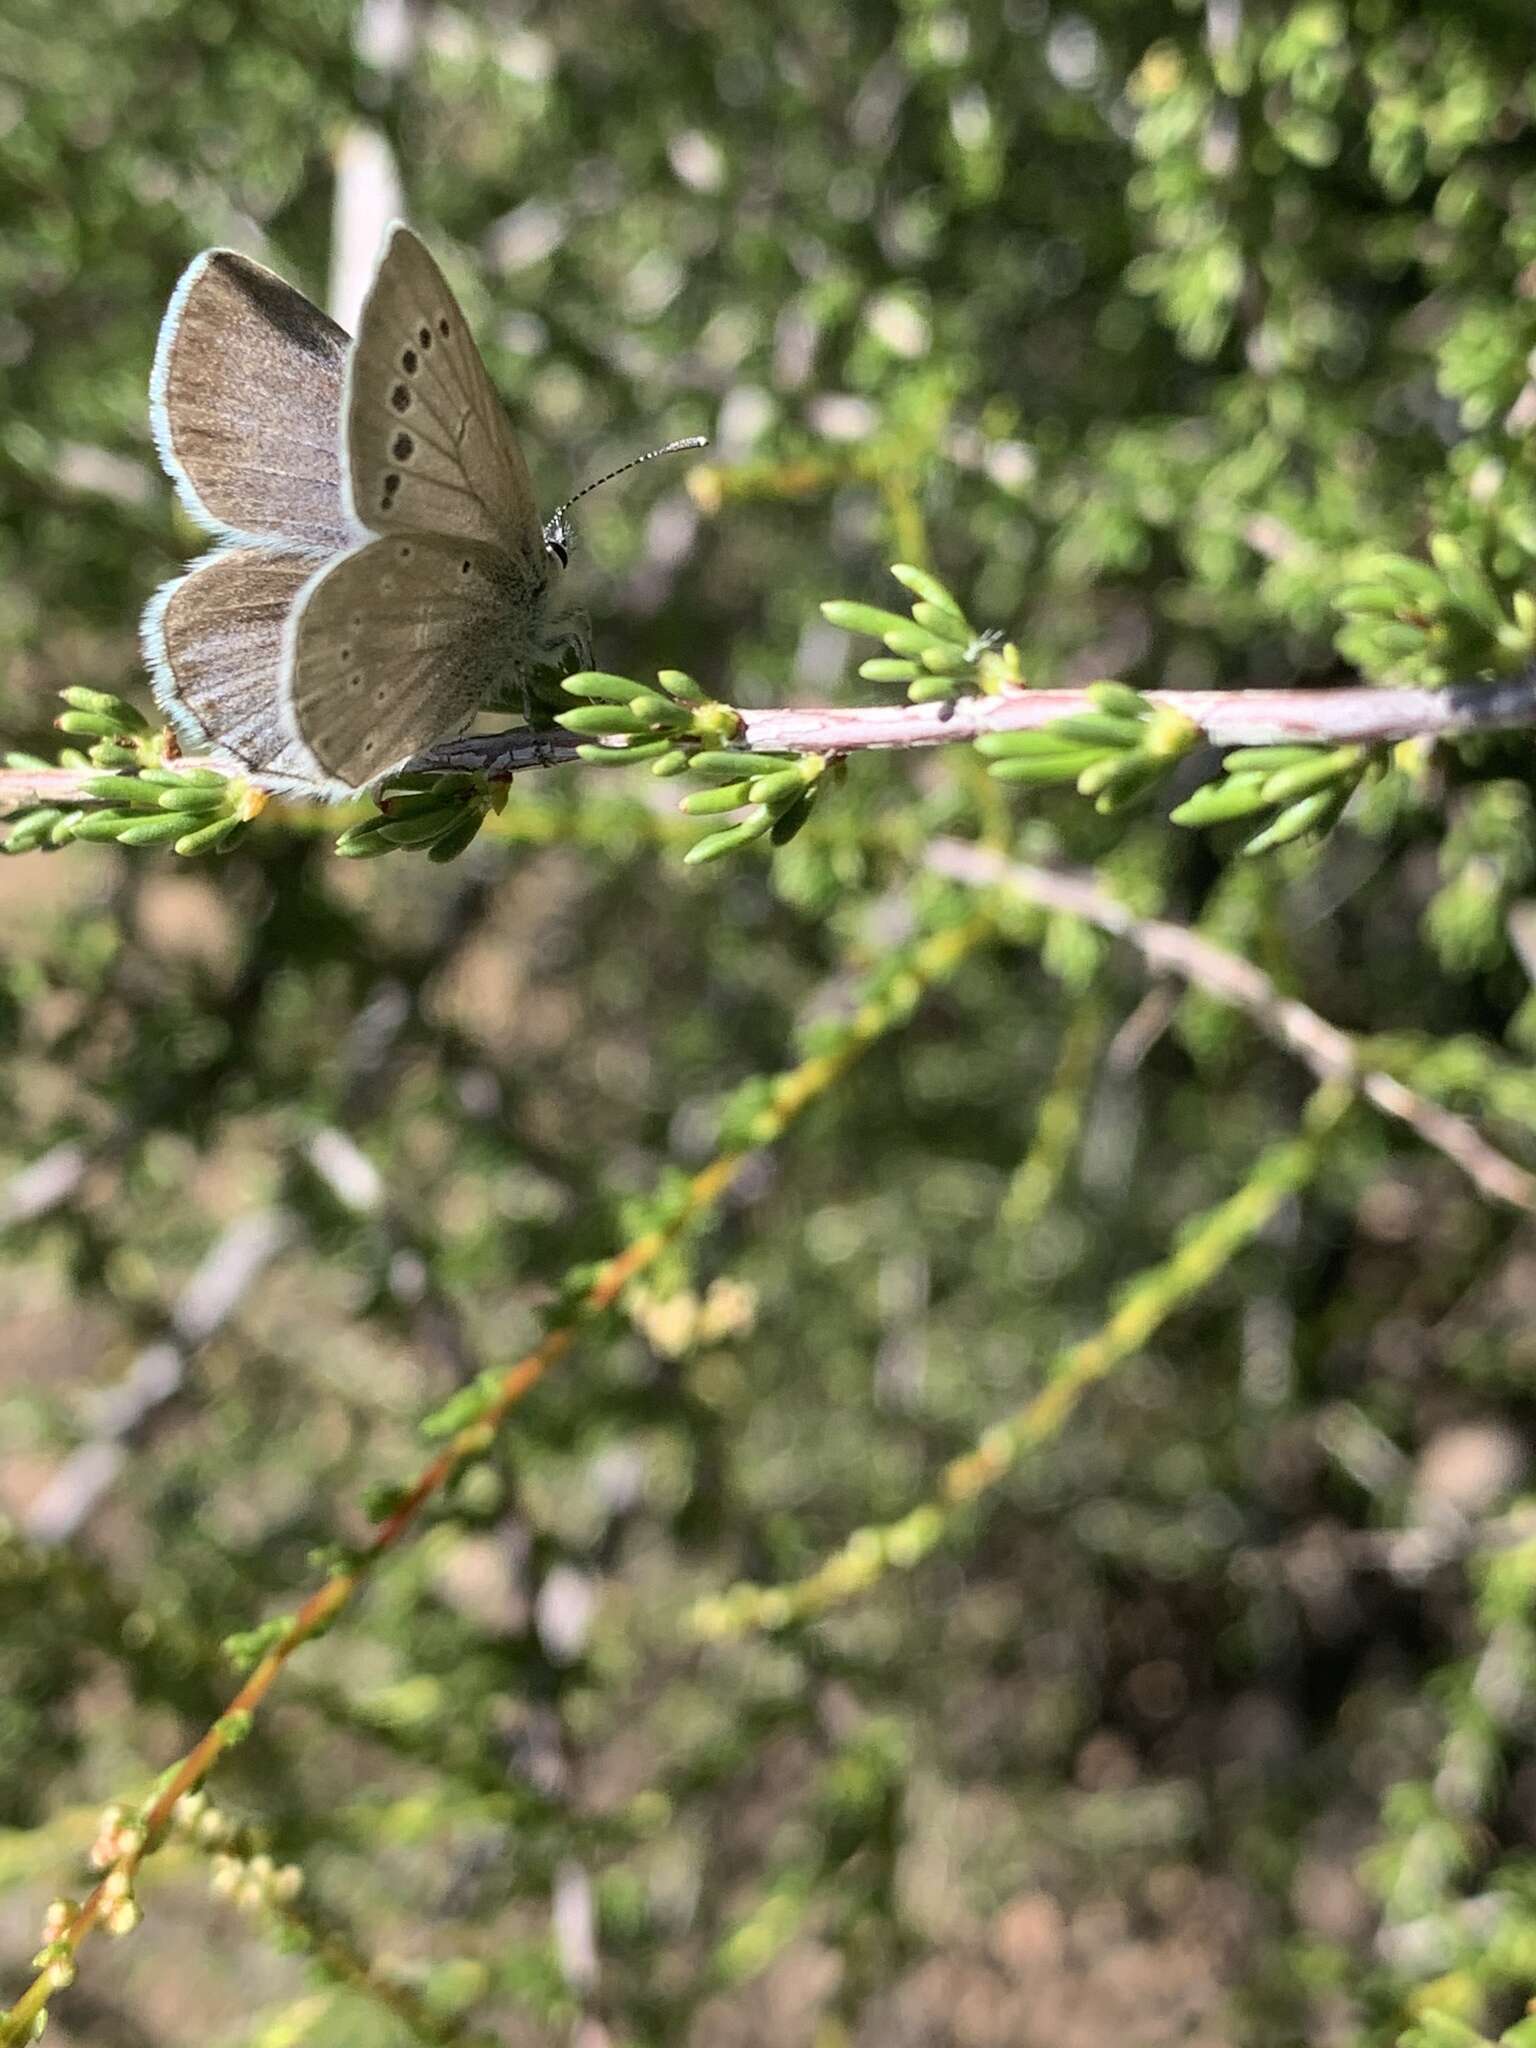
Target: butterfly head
x=558 y=529
x=559 y=537
x=567 y=631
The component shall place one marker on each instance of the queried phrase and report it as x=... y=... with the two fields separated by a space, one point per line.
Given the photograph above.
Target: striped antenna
x=672 y=448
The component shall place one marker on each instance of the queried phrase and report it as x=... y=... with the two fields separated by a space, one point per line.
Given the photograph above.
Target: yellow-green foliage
x=853 y=1465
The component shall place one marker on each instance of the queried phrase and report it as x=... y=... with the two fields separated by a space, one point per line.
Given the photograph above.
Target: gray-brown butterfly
x=382 y=573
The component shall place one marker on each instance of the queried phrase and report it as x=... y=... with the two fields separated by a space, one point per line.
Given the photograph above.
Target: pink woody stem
x=1228 y=718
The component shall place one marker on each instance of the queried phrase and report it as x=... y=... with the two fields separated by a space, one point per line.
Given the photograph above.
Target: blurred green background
x=1137 y=322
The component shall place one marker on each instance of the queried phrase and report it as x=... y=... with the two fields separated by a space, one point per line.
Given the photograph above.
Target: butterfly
x=382 y=573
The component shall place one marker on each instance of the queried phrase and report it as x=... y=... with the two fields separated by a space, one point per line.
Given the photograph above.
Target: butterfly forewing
x=393 y=646
x=213 y=641
x=429 y=449
x=314 y=656
x=246 y=405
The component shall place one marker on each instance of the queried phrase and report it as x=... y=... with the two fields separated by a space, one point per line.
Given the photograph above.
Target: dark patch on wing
x=285 y=309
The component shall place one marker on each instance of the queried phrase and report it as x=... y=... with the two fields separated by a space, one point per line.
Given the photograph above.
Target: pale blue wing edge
x=191 y=729
x=159 y=416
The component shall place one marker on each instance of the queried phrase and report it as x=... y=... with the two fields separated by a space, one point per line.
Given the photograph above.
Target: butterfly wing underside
x=213 y=643
x=246 y=405
x=315 y=657
x=394 y=646
x=429 y=448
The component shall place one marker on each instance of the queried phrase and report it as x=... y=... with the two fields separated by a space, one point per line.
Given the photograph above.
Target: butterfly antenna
x=672 y=448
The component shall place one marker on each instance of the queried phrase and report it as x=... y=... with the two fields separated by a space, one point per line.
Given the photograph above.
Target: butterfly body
x=382 y=572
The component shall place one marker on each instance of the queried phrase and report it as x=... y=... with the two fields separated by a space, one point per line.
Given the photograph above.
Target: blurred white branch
x=213 y=1294
x=368 y=197
x=1174 y=949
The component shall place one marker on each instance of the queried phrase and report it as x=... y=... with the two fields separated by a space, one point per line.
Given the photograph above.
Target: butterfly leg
x=566 y=650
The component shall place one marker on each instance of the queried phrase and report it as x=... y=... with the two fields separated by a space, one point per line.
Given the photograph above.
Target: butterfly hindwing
x=429 y=449
x=397 y=645
x=312 y=655
x=246 y=405
x=213 y=641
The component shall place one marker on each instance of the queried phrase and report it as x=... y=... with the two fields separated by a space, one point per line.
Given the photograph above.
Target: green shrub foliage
x=827 y=1447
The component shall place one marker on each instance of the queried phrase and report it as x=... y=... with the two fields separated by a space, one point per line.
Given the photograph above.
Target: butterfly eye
x=557 y=539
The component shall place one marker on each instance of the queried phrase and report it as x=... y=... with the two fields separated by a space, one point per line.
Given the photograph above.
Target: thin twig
x=1174 y=949
x=44 y=1184
x=1205 y=1250
x=1228 y=718
x=157 y=1374
x=886 y=1005
x=501 y=755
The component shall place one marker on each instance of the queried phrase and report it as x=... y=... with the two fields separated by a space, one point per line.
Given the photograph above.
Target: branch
x=227 y=1273
x=1328 y=1051
x=757 y=1119
x=1206 y=1248
x=512 y=752
x=1228 y=718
